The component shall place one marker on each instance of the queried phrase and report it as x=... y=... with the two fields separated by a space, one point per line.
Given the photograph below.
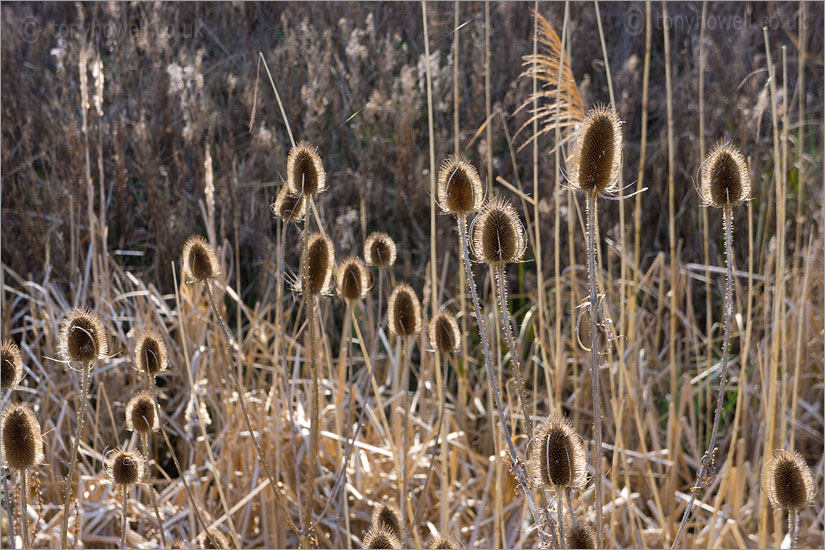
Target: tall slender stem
x=81 y=418
x=515 y=462
x=24 y=507
x=560 y=508
x=313 y=427
x=594 y=359
x=124 y=524
x=144 y=441
x=405 y=383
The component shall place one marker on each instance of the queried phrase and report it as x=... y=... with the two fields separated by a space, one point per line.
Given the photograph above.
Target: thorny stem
x=793 y=526
x=405 y=383
x=313 y=427
x=594 y=360
x=124 y=524
x=81 y=418
x=242 y=401
x=501 y=289
x=144 y=440
x=569 y=505
x=560 y=507
x=707 y=472
x=516 y=463
x=24 y=507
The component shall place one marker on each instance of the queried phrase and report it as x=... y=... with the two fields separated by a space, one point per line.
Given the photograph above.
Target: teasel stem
x=405 y=383
x=560 y=508
x=144 y=443
x=124 y=524
x=24 y=507
x=707 y=472
x=81 y=418
x=516 y=463
x=314 y=414
x=594 y=359
x=379 y=319
x=245 y=414
x=569 y=505
x=500 y=285
x=793 y=526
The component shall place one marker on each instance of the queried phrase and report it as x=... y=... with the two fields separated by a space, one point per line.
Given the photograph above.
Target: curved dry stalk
x=500 y=287
x=144 y=442
x=24 y=507
x=81 y=419
x=514 y=460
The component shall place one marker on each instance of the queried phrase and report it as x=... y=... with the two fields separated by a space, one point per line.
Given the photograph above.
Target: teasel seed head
x=379 y=250
x=788 y=479
x=442 y=542
x=204 y=541
x=12 y=364
x=597 y=152
x=498 y=235
x=404 y=311
x=124 y=468
x=22 y=440
x=317 y=263
x=140 y=413
x=353 y=279
x=444 y=334
x=200 y=263
x=150 y=352
x=388 y=516
x=459 y=187
x=288 y=207
x=305 y=172
x=380 y=536
x=725 y=178
x=581 y=535
x=82 y=337
x=556 y=456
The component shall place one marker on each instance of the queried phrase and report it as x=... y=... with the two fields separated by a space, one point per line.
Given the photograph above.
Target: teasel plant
x=594 y=169
x=22 y=448
x=379 y=535
x=404 y=319
x=11 y=362
x=459 y=193
x=498 y=239
x=379 y=251
x=790 y=487
x=200 y=265
x=725 y=183
x=82 y=341
x=124 y=469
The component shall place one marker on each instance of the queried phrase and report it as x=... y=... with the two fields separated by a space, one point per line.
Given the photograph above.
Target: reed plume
x=790 y=486
x=22 y=449
x=12 y=364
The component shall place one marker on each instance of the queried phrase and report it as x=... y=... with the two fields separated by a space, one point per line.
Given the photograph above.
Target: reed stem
x=81 y=418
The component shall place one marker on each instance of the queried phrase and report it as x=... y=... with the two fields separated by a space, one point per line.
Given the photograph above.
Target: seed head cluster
x=388 y=516
x=557 y=458
x=150 y=352
x=597 y=152
x=404 y=311
x=581 y=535
x=379 y=250
x=498 y=235
x=288 y=207
x=459 y=187
x=380 y=536
x=82 y=337
x=124 y=469
x=317 y=262
x=200 y=263
x=442 y=542
x=305 y=172
x=22 y=440
x=12 y=364
x=444 y=334
x=140 y=413
x=353 y=279
x=725 y=179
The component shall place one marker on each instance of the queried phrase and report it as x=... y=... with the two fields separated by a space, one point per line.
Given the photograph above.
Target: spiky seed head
x=305 y=172
x=404 y=311
x=317 y=262
x=179 y=544
x=439 y=542
x=288 y=207
x=788 y=480
x=581 y=535
x=379 y=250
x=206 y=542
x=82 y=337
x=200 y=263
x=597 y=152
x=150 y=352
x=387 y=515
x=380 y=536
x=498 y=235
x=459 y=187
x=124 y=468
x=556 y=456
x=725 y=178
x=22 y=440
x=12 y=364
x=353 y=279
x=444 y=335
x=140 y=413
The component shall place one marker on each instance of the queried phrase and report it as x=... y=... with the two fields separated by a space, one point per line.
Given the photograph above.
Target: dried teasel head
x=288 y=207
x=597 y=152
x=379 y=249
x=388 y=516
x=788 y=480
x=82 y=337
x=380 y=536
x=150 y=352
x=210 y=542
x=581 y=535
x=444 y=335
x=404 y=311
x=200 y=263
x=140 y=413
x=22 y=441
x=353 y=279
x=439 y=542
x=317 y=262
x=556 y=456
x=498 y=235
x=459 y=187
x=305 y=172
x=124 y=468
x=725 y=178
x=12 y=364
